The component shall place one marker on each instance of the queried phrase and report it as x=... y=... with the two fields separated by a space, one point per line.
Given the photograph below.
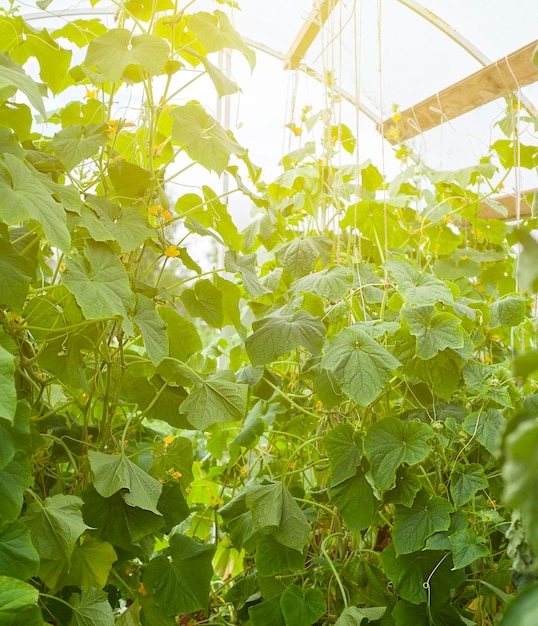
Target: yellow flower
x=168 y=440
x=91 y=94
x=171 y=252
x=156 y=209
x=396 y=117
x=176 y=475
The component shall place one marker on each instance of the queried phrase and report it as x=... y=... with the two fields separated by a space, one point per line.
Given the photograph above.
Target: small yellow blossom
x=91 y=94
x=396 y=117
x=171 y=252
x=169 y=439
x=176 y=475
x=142 y=590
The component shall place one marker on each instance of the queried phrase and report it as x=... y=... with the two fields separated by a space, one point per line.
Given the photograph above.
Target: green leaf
x=15 y=478
x=81 y=32
x=275 y=512
x=8 y=393
x=55 y=525
x=153 y=329
x=215 y=399
x=18 y=557
x=204 y=301
x=203 y=138
x=108 y=221
x=129 y=180
x=267 y=613
x=273 y=558
x=406 y=488
x=17 y=117
x=277 y=335
x=215 y=33
x=417 y=286
x=114 y=472
x=355 y=616
x=300 y=256
x=487 y=427
x=25 y=197
x=467 y=548
x=409 y=572
x=117 y=522
x=355 y=501
x=76 y=143
x=91 y=608
x=91 y=563
x=465 y=481
x=332 y=283
x=114 y=51
x=181 y=584
x=224 y=85
x=343 y=453
x=239 y=523
x=18 y=603
x=100 y=284
x=17 y=273
x=177 y=455
x=361 y=366
x=523 y=610
x=183 y=339
x=302 y=607
x=434 y=331
x=12 y=75
x=390 y=443
x=246 y=266
x=412 y=526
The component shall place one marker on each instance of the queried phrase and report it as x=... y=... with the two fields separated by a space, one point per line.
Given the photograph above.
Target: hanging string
x=381 y=107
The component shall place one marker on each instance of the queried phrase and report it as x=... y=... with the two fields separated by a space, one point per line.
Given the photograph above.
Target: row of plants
x=312 y=433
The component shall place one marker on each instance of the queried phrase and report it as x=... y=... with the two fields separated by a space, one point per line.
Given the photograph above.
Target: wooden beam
x=510 y=204
x=493 y=81
x=309 y=31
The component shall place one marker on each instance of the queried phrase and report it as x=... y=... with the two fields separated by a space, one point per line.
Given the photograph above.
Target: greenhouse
x=268 y=343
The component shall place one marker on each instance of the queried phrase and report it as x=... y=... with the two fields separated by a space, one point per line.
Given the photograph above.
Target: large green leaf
x=465 y=481
x=55 y=525
x=361 y=366
x=18 y=557
x=215 y=399
x=390 y=443
x=183 y=339
x=18 y=603
x=12 y=75
x=276 y=335
x=17 y=273
x=356 y=502
x=181 y=584
x=239 y=522
x=15 y=478
x=413 y=525
x=487 y=427
x=433 y=331
x=114 y=51
x=343 y=452
x=117 y=522
x=91 y=562
x=273 y=558
x=100 y=284
x=204 y=301
x=417 y=286
x=203 y=138
x=91 y=608
x=467 y=547
x=108 y=221
x=302 y=607
x=355 y=616
x=300 y=256
x=332 y=283
x=25 y=197
x=153 y=329
x=115 y=472
x=410 y=572
x=76 y=143
x=215 y=33
x=8 y=394
x=267 y=613
x=275 y=512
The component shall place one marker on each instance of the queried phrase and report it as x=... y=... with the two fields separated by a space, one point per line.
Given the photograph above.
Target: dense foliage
x=311 y=434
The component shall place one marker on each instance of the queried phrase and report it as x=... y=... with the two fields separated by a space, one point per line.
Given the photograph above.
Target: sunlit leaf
x=91 y=608
x=12 y=75
x=113 y=473
x=18 y=603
